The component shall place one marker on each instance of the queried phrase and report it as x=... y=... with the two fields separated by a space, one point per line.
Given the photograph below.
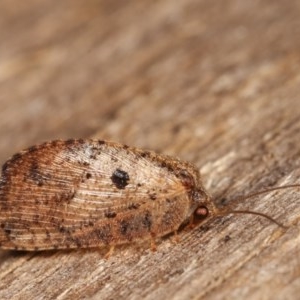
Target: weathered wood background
x=216 y=83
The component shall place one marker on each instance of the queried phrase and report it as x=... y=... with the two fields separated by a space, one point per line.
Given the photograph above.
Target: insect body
x=85 y=193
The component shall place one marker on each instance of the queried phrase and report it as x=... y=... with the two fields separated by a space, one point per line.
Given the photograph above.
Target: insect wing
x=55 y=194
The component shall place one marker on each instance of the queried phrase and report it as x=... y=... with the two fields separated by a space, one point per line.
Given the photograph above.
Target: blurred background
x=136 y=70
x=213 y=82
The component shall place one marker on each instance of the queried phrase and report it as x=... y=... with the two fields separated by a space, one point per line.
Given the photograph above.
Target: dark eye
x=201 y=212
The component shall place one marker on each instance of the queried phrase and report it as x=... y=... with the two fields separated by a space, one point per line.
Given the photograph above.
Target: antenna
x=202 y=211
x=249 y=212
x=227 y=212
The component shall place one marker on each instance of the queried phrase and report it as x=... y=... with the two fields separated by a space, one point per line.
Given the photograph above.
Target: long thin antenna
x=267 y=191
x=227 y=212
x=249 y=212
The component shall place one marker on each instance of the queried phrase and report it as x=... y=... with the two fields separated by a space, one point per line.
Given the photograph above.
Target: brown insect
x=85 y=193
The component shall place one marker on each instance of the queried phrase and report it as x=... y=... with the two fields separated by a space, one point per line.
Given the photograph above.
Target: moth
x=88 y=193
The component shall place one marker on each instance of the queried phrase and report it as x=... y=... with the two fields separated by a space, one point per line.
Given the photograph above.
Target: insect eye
x=201 y=212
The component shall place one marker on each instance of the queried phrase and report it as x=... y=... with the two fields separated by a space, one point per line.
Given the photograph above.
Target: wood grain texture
x=215 y=83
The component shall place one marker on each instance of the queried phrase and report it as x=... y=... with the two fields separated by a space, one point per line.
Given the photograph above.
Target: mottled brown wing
x=55 y=194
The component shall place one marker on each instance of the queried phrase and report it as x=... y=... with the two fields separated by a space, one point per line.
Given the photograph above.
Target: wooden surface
x=213 y=82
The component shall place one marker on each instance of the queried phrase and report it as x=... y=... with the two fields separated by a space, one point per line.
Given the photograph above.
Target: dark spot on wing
x=120 y=178
x=14 y=159
x=168 y=166
x=78 y=242
x=147 y=221
x=36 y=175
x=227 y=238
x=133 y=206
x=124 y=225
x=32 y=149
x=70 y=142
x=7 y=231
x=104 y=234
x=114 y=159
x=152 y=196
x=146 y=154
x=110 y=214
